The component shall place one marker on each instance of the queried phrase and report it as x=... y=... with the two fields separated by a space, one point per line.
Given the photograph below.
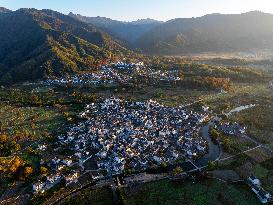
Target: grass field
x=29 y=120
x=29 y=125
x=209 y=192
x=101 y=196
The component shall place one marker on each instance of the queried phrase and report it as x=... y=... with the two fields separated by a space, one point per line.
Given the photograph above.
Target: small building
x=254 y=181
x=71 y=178
x=38 y=187
x=264 y=196
x=255 y=184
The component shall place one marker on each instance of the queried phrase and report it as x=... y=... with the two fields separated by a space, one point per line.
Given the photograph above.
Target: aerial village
x=116 y=136
x=119 y=135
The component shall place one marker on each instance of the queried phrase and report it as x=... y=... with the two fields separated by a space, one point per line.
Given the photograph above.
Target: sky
x=128 y=10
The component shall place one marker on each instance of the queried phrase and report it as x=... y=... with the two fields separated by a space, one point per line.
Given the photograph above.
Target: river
x=213 y=152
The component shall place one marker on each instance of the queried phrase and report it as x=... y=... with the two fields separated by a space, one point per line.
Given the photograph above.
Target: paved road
x=258 y=143
x=230 y=157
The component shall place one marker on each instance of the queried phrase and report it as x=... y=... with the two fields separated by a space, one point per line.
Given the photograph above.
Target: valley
x=65 y=102
x=99 y=111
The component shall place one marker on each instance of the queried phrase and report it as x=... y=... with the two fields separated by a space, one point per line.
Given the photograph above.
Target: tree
x=177 y=171
x=43 y=170
x=227 y=145
x=14 y=146
x=30 y=151
x=28 y=171
x=215 y=134
x=212 y=165
x=163 y=165
x=3 y=138
x=181 y=75
x=15 y=164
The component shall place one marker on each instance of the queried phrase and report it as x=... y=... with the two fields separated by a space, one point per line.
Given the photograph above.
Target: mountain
x=40 y=43
x=147 y=21
x=127 y=32
x=210 y=33
x=4 y=10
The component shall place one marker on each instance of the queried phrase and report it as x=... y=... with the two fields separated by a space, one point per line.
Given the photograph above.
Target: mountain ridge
x=126 y=32
x=4 y=10
x=214 y=32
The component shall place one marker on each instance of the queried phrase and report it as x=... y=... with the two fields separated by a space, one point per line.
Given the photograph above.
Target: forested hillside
x=35 y=44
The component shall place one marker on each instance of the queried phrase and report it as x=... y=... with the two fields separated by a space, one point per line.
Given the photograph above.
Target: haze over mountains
x=210 y=33
x=127 y=32
x=39 y=43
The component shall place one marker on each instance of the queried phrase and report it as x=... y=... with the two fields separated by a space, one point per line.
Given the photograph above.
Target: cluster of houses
x=256 y=187
x=232 y=128
x=115 y=74
x=58 y=173
x=135 y=135
x=120 y=135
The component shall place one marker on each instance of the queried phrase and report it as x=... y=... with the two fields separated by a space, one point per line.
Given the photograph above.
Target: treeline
x=190 y=68
x=52 y=97
x=234 y=74
x=15 y=169
x=206 y=83
x=238 y=62
x=12 y=167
